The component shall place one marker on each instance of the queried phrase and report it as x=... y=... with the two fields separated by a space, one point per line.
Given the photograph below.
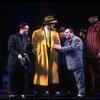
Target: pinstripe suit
x=92 y=61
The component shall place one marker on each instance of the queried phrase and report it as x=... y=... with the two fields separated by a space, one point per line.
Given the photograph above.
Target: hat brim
x=92 y=14
x=50 y=22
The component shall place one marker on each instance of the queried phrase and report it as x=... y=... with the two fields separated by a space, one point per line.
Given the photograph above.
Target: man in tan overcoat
x=43 y=40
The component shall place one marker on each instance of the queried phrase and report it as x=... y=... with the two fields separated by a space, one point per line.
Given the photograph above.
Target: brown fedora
x=49 y=19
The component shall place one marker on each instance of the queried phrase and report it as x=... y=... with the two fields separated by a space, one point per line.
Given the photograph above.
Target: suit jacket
x=73 y=53
x=15 y=47
x=93 y=41
x=61 y=57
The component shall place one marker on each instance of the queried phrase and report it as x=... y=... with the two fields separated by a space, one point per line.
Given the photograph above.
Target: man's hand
x=20 y=56
x=99 y=54
x=57 y=47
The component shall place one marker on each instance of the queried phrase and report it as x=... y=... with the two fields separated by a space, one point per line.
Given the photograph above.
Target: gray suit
x=74 y=60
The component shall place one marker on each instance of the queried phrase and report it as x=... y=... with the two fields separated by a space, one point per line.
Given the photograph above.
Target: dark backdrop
x=68 y=13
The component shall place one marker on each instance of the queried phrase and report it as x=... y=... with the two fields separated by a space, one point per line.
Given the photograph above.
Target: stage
x=4 y=95
x=31 y=94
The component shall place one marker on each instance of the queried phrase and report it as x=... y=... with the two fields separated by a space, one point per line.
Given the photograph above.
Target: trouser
x=67 y=80
x=17 y=81
x=29 y=80
x=92 y=75
x=80 y=80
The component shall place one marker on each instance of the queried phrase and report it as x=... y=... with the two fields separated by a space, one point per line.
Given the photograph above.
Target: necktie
x=49 y=39
x=24 y=40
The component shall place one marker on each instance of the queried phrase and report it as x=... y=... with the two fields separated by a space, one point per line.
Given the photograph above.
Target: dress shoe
x=80 y=95
x=23 y=96
x=57 y=93
x=11 y=96
x=46 y=93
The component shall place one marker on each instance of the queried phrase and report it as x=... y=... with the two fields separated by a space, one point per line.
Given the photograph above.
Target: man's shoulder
x=54 y=31
x=38 y=30
x=76 y=38
x=98 y=23
x=13 y=35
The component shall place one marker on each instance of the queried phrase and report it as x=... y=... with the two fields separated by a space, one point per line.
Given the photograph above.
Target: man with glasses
x=73 y=50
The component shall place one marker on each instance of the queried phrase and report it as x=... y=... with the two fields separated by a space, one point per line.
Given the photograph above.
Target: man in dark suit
x=18 y=61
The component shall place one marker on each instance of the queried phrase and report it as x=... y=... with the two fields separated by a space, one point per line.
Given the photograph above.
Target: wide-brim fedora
x=49 y=20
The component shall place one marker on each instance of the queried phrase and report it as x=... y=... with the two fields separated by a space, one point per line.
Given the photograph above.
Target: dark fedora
x=93 y=14
x=61 y=29
x=49 y=20
x=25 y=61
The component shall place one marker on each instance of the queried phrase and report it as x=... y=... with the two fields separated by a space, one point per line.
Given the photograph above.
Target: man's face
x=26 y=29
x=68 y=33
x=51 y=26
x=92 y=19
x=62 y=34
x=81 y=34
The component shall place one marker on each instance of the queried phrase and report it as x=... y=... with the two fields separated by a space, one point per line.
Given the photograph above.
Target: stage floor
x=4 y=95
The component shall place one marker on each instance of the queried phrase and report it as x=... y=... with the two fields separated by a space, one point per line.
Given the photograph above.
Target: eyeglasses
x=67 y=32
x=26 y=28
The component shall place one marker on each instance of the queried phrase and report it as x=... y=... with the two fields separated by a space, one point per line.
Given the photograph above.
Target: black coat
x=15 y=47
